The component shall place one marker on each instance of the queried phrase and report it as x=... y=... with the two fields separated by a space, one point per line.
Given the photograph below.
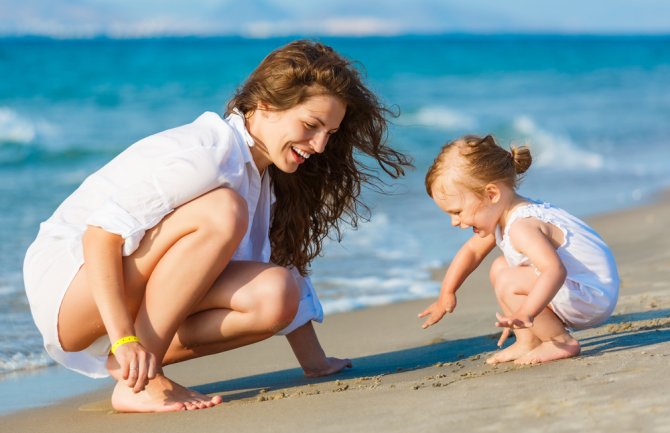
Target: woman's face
x=288 y=138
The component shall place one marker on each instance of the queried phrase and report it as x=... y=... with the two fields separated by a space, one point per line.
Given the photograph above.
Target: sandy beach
x=408 y=379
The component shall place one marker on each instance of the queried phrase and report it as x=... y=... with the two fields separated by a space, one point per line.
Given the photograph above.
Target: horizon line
x=167 y=35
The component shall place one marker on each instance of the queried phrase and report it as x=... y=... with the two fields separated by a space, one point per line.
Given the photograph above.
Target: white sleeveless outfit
x=133 y=193
x=591 y=288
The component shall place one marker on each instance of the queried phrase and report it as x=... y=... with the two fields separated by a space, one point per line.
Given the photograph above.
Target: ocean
x=594 y=110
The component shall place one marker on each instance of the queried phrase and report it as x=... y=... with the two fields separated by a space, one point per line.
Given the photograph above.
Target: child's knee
x=505 y=283
x=499 y=265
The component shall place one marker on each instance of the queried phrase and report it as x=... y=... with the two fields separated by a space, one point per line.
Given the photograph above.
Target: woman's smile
x=290 y=137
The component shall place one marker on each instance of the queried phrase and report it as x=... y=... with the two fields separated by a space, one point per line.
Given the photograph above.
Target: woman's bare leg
x=175 y=265
x=249 y=302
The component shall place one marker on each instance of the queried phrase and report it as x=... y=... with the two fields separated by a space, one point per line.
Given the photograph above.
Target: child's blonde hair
x=481 y=161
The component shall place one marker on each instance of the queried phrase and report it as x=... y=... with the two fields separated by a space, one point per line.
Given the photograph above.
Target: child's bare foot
x=330 y=366
x=160 y=395
x=551 y=351
x=515 y=351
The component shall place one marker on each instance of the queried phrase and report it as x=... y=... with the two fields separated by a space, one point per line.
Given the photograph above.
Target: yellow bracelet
x=124 y=340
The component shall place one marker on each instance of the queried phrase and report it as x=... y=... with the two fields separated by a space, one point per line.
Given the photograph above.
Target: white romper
x=591 y=288
x=133 y=193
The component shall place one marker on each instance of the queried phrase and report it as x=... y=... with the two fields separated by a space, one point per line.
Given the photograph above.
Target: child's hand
x=515 y=321
x=437 y=310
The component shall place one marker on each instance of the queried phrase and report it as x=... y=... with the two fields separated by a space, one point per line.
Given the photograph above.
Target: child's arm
x=310 y=354
x=532 y=238
x=469 y=256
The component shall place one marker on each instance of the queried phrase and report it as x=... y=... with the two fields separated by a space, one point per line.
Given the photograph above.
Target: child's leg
x=557 y=343
x=549 y=341
x=505 y=279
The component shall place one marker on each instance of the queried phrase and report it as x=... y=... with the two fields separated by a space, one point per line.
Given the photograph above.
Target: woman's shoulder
x=222 y=131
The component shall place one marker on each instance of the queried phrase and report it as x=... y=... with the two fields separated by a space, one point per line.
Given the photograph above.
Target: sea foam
x=552 y=149
x=439 y=117
x=14 y=128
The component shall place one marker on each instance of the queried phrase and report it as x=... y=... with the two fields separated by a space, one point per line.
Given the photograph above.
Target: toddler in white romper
x=556 y=272
x=591 y=287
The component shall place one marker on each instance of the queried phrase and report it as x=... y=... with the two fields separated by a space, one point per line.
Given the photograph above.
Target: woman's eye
x=309 y=125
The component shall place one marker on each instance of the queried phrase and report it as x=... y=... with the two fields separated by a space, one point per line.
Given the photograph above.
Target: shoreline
x=431 y=377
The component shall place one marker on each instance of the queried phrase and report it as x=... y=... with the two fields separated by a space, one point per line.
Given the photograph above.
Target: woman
x=197 y=240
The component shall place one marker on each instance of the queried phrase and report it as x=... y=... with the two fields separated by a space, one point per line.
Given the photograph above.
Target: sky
x=265 y=18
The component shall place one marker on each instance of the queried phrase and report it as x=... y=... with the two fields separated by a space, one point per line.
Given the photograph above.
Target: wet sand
x=408 y=379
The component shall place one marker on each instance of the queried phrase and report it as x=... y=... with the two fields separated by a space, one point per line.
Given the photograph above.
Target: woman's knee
x=279 y=298
x=222 y=211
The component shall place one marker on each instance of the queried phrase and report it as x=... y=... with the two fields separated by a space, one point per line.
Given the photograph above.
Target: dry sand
x=408 y=379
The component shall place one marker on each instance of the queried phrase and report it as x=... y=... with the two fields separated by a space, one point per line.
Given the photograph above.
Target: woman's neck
x=258 y=151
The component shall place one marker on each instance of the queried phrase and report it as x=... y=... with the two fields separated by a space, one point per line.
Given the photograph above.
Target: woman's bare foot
x=551 y=351
x=330 y=366
x=515 y=351
x=160 y=395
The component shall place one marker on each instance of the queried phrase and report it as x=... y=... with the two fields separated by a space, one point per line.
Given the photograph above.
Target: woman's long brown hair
x=324 y=192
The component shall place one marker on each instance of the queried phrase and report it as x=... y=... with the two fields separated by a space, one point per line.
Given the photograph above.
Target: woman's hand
x=138 y=365
x=327 y=366
x=310 y=354
x=437 y=310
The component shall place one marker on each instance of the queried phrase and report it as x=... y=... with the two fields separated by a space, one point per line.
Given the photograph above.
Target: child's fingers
x=503 y=337
x=432 y=319
x=427 y=323
x=503 y=322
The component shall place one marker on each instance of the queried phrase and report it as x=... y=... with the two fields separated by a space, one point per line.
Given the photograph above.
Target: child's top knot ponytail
x=479 y=161
x=521 y=157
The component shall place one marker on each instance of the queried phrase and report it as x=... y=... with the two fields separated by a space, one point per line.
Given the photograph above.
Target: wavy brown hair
x=324 y=192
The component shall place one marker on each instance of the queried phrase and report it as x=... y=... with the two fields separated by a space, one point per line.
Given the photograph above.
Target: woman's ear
x=493 y=192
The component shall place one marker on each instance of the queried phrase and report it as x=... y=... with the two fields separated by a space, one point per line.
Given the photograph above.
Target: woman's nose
x=319 y=141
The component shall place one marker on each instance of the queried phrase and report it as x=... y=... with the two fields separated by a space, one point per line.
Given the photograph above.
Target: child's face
x=287 y=138
x=466 y=208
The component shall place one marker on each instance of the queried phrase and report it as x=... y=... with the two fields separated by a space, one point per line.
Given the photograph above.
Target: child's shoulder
x=532 y=215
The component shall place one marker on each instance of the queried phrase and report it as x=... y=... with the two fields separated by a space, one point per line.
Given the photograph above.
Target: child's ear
x=493 y=193
x=262 y=106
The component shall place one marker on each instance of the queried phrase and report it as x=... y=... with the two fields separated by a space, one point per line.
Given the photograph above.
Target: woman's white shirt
x=135 y=191
x=157 y=174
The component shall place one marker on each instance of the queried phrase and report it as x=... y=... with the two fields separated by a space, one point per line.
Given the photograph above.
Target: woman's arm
x=310 y=354
x=104 y=273
x=468 y=258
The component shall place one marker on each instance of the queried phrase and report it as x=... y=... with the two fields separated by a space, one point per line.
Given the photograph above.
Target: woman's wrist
x=123 y=340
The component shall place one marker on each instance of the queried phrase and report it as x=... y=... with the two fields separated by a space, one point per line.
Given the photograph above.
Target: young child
x=556 y=272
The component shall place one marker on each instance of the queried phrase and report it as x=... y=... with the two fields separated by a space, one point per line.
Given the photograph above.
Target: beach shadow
x=628 y=331
x=441 y=351
x=642 y=332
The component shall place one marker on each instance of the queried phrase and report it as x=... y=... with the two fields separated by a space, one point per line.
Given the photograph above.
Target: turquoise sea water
x=594 y=111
